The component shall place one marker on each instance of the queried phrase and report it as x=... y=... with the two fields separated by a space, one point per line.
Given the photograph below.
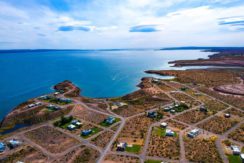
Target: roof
x=2 y=145
x=71 y=126
x=242 y=156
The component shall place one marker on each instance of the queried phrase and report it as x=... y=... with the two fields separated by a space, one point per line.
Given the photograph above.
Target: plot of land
x=163 y=146
x=235 y=112
x=25 y=154
x=135 y=130
x=175 y=125
x=218 y=124
x=51 y=139
x=88 y=115
x=103 y=139
x=142 y=104
x=187 y=99
x=192 y=116
x=201 y=150
x=120 y=159
x=238 y=134
x=79 y=155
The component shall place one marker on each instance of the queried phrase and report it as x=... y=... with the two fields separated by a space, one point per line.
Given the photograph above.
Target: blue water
x=98 y=73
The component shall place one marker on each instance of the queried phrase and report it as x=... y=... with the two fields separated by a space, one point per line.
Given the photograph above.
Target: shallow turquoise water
x=98 y=73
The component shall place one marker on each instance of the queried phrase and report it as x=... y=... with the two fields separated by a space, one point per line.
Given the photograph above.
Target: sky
x=106 y=24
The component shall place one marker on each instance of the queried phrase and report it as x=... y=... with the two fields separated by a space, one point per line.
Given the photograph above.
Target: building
x=76 y=122
x=193 y=133
x=86 y=132
x=121 y=147
x=38 y=103
x=31 y=105
x=71 y=127
x=172 y=111
x=227 y=115
x=2 y=147
x=167 y=109
x=152 y=114
x=169 y=132
x=13 y=143
x=235 y=149
x=66 y=100
x=242 y=157
x=203 y=108
x=110 y=120
x=163 y=125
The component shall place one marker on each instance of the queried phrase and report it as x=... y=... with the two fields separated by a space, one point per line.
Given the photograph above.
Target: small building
x=172 y=111
x=56 y=93
x=203 y=109
x=121 y=147
x=66 y=100
x=169 y=132
x=163 y=125
x=166 y=109
x=76 y=122
x=71 y=127
x=31 y=105
x=86 y=132
x=38 y=103
x=193 y=133
x=2 y=147
x=235 y=149
x=45 y=97
x=152 y=114
x=227 y=115
x=242 y=157
x=110 y=120
x=13 y=143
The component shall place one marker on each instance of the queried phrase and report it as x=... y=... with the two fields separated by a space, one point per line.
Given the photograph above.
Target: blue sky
x=92 y=24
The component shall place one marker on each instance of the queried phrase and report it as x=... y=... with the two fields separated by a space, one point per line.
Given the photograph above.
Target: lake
x=111 y=73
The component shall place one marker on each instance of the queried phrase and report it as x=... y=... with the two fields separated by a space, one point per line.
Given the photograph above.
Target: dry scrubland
x=238 y=134
x=51 y=139
x=135 y=129
x=192 y=116
x=88 y=115
x=176 y=125
x=183 y=97
x=218 y=124
x=139 y=102
x=79 y=155
x=103 y=139
x=112 y=158
x=209 y=78
x=25 y=154
x=164 y=146
x=201 y=150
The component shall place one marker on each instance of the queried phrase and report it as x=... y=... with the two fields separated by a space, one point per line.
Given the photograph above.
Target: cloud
x=144 y=28
x=233 y=23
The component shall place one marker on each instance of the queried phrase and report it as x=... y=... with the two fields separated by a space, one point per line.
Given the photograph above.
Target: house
x=227 y=115
x=66 y=100
x=56 y=93
x=76 y=122
x=152 y=114
x=110 y=120
x=242 y=157
x=2 y=147
x=172 y=111
x=169 y=132
x=203 y=108
x=13 y=143
x=71 y=127
x=121 y=147
x=53 y=107
x=163 y=125
x=167 y=109
x=235 y=149
x=193 y=133
x=31 y=105
x=44 y=97
x=86 y=132
x=38 y=103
